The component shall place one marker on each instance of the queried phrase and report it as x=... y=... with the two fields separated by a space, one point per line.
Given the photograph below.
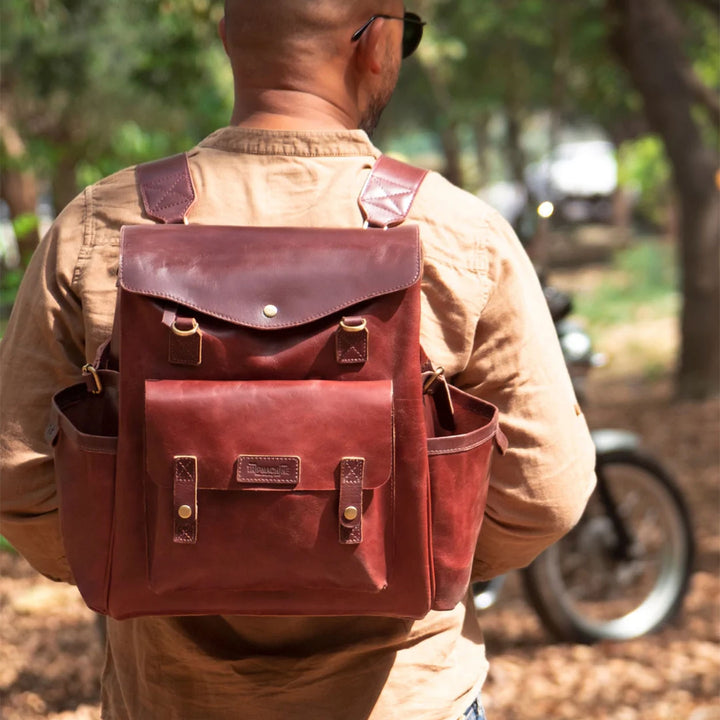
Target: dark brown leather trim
x=351 y=495
x=185 y=507
x=166 y=188
x=389 y=192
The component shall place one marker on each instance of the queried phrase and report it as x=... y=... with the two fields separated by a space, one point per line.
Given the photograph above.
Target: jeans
x=475 y=711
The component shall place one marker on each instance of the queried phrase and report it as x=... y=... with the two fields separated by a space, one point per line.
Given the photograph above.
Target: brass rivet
x=185 y=511
x=270 y=311
x=351 y=512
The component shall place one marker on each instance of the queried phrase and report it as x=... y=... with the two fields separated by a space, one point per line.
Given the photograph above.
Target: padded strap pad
x=389 y=192
x=166 y=188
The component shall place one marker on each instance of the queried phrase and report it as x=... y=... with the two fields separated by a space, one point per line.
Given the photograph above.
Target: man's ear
x=369 y=48
x=222 y=32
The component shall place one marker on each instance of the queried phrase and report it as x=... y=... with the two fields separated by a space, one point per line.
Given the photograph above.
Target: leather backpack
x=264 y=435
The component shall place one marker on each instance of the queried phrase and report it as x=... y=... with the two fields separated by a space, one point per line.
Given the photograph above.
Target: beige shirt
x=484 y=319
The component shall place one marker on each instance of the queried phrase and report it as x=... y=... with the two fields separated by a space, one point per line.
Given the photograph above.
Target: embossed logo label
x=268 y=469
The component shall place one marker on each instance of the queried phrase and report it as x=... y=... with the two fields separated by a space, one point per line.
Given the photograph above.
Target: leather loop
x=185 y=499
x=351 y=341
x=184 y=342
x=389 y=192
x=102 y=355
x=166 y=188
x=350 y=506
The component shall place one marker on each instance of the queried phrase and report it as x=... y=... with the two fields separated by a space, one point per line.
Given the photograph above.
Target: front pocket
x=84 y=438
x=268 y=485
x=459 y=477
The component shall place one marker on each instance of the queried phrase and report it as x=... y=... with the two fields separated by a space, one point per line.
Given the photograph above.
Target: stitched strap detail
x=350 y=506
x=351 y=341
x=185 y=499
x=389 y=192
x=166 y=188
x=185 y=345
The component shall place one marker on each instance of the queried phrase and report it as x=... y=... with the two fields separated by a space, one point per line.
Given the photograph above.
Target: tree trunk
x=515 y=153
x=446 y=123
x=64 y=182
x=19 y=191
x=453 y=155
x=481 y=136
x=647 y=36
x=18 y=188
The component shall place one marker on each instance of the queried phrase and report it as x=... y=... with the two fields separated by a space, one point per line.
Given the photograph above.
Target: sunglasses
x=412 y=31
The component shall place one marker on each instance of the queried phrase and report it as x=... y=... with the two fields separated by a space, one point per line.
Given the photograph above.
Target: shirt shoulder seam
x=88 y=242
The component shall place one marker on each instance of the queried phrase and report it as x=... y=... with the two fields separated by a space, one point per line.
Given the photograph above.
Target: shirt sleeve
x=539 y=488
x=41 y=352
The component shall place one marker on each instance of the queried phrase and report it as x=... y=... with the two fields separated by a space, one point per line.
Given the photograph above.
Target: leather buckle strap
x=185 y=479
x=184 y=339
x=352 y=470
x=351 y=341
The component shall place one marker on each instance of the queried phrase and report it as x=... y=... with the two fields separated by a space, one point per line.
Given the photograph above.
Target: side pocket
x=459 y=477
x=83 y=433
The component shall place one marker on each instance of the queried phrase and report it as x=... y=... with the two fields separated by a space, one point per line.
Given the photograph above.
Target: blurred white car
x=579 y=178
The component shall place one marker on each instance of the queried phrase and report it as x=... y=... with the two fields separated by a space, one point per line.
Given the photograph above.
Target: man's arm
x=539 y=488
x=41 y=352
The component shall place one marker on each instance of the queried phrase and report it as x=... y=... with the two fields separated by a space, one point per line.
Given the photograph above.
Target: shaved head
x=305 y=46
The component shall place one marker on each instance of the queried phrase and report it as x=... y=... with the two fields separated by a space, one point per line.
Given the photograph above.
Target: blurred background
x=591 y=125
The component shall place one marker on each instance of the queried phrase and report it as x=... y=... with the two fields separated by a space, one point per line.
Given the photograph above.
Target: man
x=307 y=73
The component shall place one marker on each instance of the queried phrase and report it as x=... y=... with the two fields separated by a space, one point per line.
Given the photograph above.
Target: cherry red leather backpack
x=263 y=435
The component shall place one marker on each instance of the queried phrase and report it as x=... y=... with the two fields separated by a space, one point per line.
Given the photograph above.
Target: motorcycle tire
x=593 y=584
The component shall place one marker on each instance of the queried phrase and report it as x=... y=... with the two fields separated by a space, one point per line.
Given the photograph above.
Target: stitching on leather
x=167 y=191
x=463 y=448
x=240 y=321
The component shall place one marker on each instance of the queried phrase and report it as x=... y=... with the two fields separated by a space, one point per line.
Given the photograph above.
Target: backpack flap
x=307 y=274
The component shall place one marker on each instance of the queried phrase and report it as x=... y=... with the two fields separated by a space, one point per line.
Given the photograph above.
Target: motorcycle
x=624 y=570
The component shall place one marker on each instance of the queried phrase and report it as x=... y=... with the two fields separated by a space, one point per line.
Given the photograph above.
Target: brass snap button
x=350 y=513
x=270 y=311
x=185 y=511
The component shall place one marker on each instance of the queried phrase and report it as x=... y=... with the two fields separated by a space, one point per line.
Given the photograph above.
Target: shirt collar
x=301 y=143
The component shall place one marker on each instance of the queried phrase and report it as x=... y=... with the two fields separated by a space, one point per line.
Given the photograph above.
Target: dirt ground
x=50 y=654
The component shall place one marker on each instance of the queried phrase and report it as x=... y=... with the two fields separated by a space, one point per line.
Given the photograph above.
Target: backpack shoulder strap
x=389 y=192
x=167 y=191
x=166 y=188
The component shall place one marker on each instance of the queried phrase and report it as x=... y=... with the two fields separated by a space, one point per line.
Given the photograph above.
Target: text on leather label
x=281 y=470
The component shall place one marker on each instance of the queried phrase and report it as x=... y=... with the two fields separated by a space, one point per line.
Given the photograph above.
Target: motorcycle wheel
x=595 y=584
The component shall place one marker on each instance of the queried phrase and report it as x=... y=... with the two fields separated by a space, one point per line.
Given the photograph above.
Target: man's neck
x=289 y=110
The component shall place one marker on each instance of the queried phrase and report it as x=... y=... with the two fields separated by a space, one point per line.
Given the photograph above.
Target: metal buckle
x=185 y=333
x=438 y=373
x=353 y=328
x=88 y=369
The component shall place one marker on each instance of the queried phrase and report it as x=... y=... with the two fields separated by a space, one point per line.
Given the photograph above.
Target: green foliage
x=85 y=80
x=5 y=546
x=642 y=283
x=644 y=169
x=9 y=284
x=25 y=224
